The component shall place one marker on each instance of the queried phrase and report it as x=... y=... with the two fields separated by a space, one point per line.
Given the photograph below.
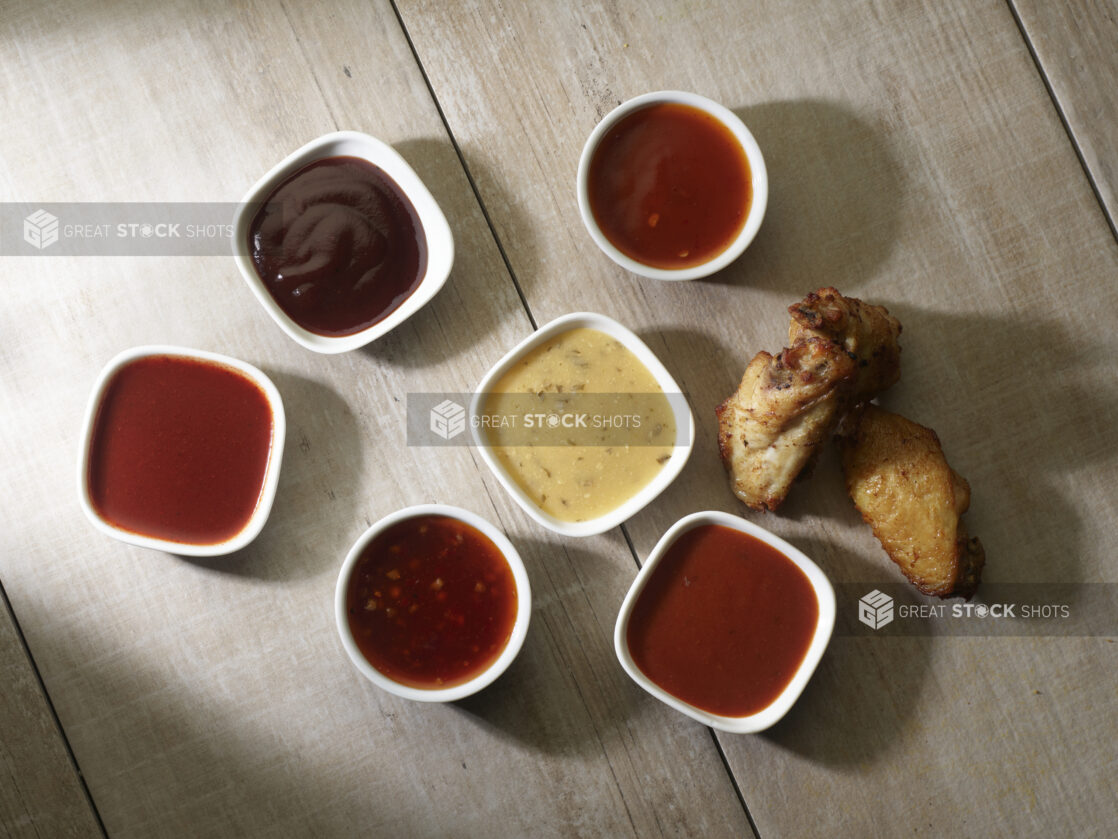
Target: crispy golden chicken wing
x=901 y=484
x=786 y=406
x=866 y=331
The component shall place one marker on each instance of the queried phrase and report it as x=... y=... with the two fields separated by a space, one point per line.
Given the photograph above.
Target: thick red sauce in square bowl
x=725 y=622
x=179 y=449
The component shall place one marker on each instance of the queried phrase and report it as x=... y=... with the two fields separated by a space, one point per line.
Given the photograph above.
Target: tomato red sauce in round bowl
x=670 y=186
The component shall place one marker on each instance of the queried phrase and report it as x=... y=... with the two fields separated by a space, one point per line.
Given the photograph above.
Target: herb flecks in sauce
x=581 y=471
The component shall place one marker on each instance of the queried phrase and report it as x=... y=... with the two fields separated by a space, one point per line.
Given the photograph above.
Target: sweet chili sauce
x=431 y=602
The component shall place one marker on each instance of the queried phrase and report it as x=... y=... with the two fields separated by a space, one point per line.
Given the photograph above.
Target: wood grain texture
x=212 y=698
x=40 y=792
x=1075 y=45
x=915 y=160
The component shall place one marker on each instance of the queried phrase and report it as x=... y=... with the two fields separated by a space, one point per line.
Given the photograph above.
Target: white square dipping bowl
x=824 y=626
x=440 y=242
x=685 y=423
x=263 y=508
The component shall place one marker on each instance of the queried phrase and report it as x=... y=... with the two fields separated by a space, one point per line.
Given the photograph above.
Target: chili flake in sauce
x=431 y=602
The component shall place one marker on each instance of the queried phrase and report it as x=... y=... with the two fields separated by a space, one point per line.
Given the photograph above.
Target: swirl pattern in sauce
x=338 y=245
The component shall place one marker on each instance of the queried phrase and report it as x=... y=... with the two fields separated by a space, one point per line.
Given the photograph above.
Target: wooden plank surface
x=915 y=160
x=212 y=698
x=1076 y=44
x=41 y=794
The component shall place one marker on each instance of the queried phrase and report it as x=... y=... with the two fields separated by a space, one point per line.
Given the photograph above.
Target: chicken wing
x=786 y=406
x=901 y=484
x=868 y=332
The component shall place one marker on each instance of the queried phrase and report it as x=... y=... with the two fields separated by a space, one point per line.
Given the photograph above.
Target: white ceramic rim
x=682 y=411
x=271 y=475
x=519 y=629
x=440 y=241
x=758 y=173
x=824 y=593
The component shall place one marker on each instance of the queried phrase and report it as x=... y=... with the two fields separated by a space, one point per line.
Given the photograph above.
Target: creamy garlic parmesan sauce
x=580 y=424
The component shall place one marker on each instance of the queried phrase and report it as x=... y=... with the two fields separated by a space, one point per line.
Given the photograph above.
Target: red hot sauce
x=723 y=622
x=670 y=186
x=338 y=245
x=431 y=602
x=179 y=449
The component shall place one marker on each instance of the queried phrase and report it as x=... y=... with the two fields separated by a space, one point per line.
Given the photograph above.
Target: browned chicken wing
x=868 y=332
x=901 y=484
x=786 y=406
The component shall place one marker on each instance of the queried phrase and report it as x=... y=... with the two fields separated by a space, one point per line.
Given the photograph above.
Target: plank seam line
x=465 y=167
x=713 y=735
x=734 y=783
x=567 y=664
x=632 y=547
x=1110 y=220
x=53 y=712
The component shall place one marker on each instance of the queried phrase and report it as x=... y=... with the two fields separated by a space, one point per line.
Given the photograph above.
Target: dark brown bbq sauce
x=338 y=245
